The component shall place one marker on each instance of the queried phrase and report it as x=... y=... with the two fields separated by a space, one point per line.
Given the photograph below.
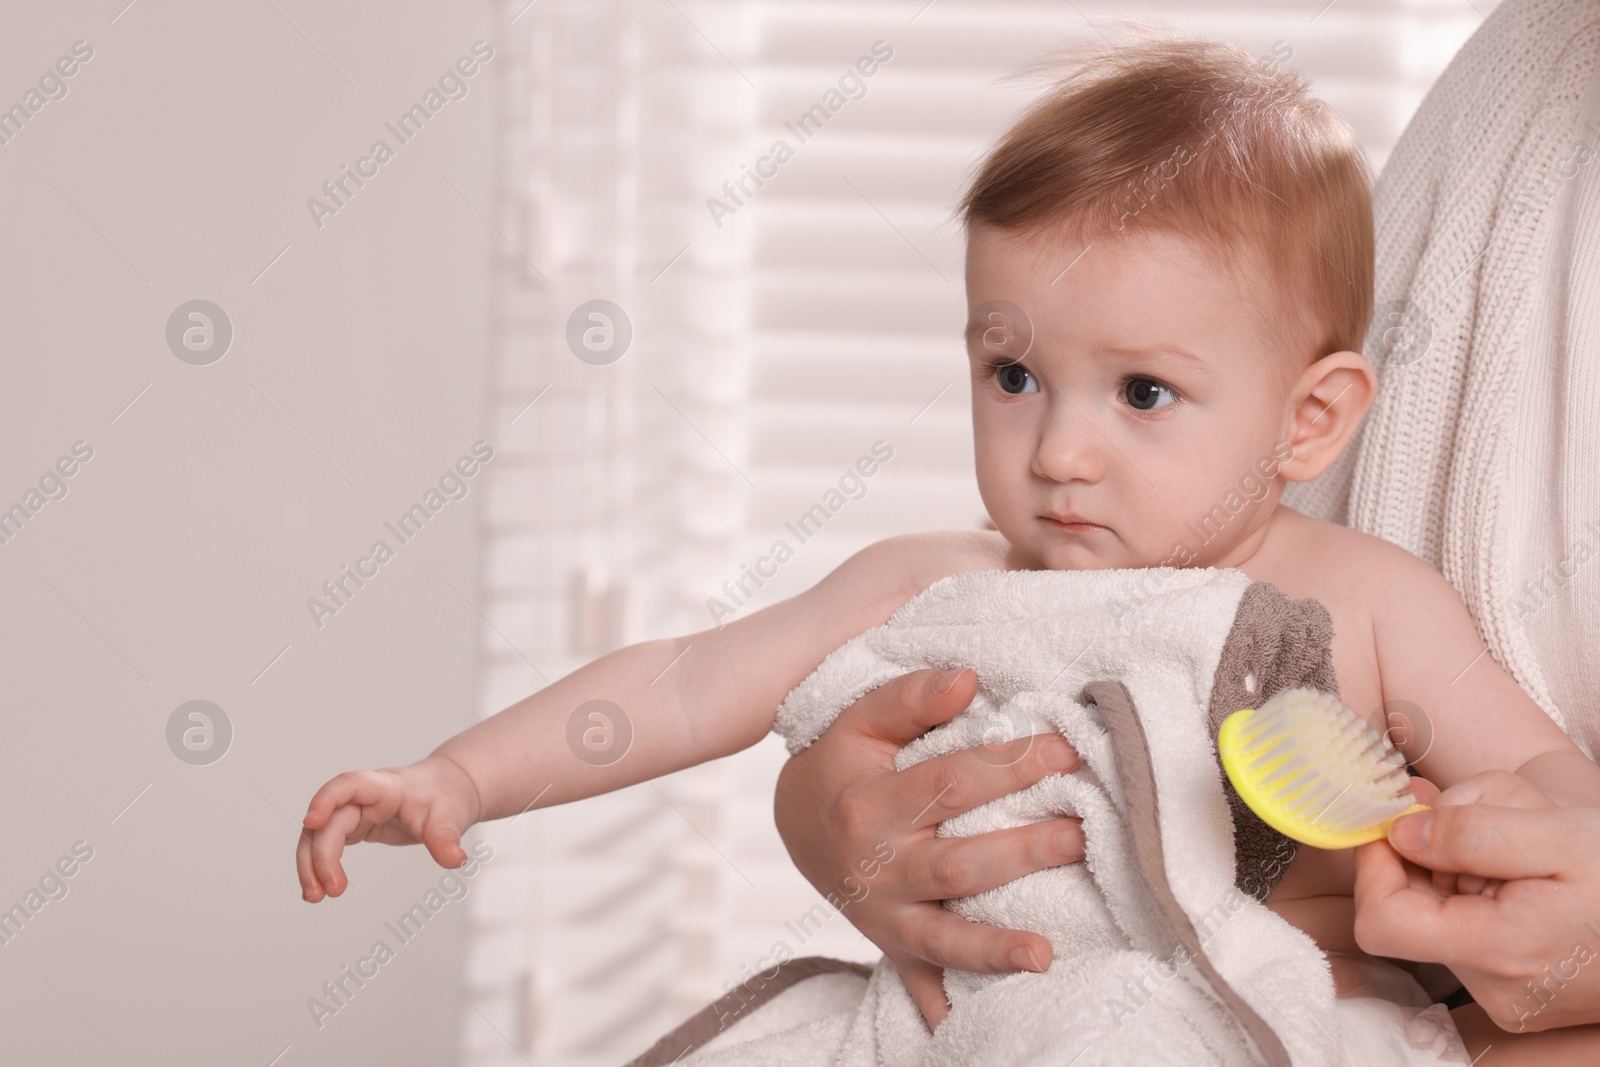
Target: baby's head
x=1169 y=275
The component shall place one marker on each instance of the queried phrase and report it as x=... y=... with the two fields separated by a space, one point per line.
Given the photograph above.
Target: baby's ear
x=1325 y=407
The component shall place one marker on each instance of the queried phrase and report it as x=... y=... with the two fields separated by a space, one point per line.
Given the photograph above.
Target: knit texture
x=1480 y=454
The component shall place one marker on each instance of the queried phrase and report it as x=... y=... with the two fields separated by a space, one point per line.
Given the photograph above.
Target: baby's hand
x=432 y=801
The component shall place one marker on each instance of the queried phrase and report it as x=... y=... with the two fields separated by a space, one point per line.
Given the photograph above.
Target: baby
x=1169 y=271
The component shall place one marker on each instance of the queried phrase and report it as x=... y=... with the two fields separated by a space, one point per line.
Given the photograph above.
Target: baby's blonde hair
x=1203 y=140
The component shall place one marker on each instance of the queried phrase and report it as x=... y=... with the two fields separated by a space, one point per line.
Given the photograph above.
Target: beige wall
x=178 y=565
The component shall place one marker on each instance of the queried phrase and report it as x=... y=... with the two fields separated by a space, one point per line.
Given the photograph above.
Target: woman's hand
x=1529 y=911
x=841 y=800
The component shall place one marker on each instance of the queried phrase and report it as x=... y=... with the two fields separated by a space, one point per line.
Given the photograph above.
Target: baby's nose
x=1070 y=447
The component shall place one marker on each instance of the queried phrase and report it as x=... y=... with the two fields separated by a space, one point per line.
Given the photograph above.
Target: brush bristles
x=1321 y=763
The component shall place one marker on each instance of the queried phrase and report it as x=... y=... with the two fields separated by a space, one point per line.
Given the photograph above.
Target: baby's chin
x=1055 y=555
x=1046 y=549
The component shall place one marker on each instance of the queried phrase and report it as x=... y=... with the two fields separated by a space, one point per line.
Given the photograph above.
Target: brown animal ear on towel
x=1275 y=644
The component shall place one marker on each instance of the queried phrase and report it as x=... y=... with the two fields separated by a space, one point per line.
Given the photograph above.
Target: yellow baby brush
x=1314 y=771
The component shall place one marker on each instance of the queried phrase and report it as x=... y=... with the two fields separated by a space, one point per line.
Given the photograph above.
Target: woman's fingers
x=932 y=791
x=1427 y=794
x=1415 y=924
x=1500 y=788
x=945 y=939
x=905 y=708
x=842 y=799
x=1491 y=842
x=925 y=983
x=1396 y=916
x=961 y=866
x=1469 y=833
x=1401 y=915
x=953 y=942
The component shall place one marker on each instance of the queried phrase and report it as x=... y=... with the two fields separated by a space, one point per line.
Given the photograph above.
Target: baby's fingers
x=310 y=887
x=327 y=845
x=368 y=789
x=443 y=842
x=1425 y=791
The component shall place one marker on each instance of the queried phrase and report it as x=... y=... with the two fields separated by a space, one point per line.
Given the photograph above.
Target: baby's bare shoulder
x=917 y=560
x=1340 y=557
x=1372 y=584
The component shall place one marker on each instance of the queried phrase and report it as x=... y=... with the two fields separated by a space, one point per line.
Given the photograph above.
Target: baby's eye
x=1145 y=394
x=1014 y=378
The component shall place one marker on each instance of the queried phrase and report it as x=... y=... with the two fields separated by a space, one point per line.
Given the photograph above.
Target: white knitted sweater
x=1482 y=454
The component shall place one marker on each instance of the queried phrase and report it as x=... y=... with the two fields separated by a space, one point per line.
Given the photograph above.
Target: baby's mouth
x=1073 y=523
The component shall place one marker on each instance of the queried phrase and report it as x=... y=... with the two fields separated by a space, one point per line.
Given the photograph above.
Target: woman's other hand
x=841 y=801
x=1524 y=932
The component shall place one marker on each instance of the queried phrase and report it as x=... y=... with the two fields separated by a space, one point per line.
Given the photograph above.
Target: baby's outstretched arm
x=687 y=700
